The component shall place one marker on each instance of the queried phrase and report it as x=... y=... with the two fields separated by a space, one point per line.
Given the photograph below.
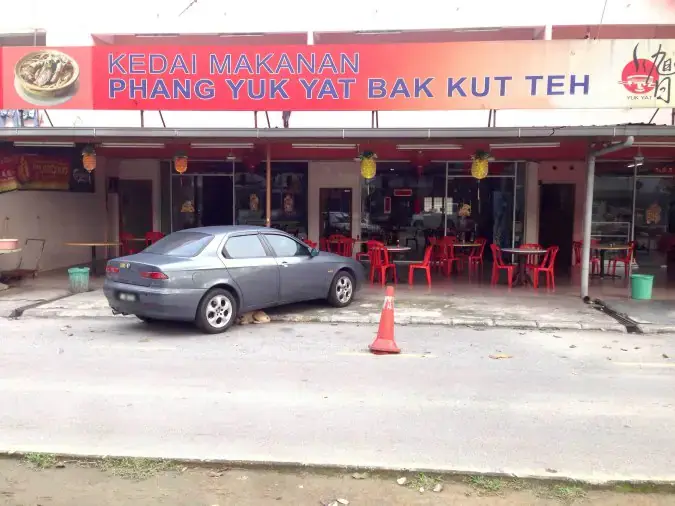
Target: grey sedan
x=211 y=275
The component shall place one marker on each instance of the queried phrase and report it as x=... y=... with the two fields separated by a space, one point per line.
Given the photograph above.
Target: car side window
x=286 y=247
x=244 y=246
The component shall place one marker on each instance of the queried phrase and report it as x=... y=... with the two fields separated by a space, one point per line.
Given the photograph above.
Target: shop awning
x=178 y=135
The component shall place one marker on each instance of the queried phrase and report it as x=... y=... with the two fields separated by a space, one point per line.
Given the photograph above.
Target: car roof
x=228 y=229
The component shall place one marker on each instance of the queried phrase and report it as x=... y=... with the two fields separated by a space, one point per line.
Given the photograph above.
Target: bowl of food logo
x=47 y=74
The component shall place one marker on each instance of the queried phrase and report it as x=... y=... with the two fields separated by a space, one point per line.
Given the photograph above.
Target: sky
x=131 y=16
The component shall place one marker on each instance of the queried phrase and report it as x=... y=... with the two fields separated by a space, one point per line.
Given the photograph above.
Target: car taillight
x=111 y=269
x=154 y=275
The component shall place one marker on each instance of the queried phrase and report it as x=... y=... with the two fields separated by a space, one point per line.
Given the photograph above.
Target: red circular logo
x=640 y=76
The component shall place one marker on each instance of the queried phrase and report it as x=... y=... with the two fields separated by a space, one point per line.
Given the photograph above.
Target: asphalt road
x=596 y=406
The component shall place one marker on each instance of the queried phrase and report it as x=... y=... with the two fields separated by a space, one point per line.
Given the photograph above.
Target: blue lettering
x=346 y=83
x=377 y=88
x=309 y=65
x=553 y=83
x=116 y=86
x=474 y=87
x=399 y=88
x=157 y=63
x=352 y=64
x=115 y=64
x=216 y=67
x=328 y=63
x=261 y=63
x=136 y=64
x=585 y=84
x=159 y=89
x=277 y=87
x=456 y=86
x=235 y=87
x=182 y=89
x=251 y=90
x=423 y=87
x=204 y=89
x=138 y=87
x=502 y=84
x=308 y=87
x=327 y=88
x=533 y=83
x=285 y=64
x=179 y=64
x=243 y=64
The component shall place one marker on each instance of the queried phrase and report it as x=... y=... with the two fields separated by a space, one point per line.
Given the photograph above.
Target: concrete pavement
x=592 y=406
x=460 y=307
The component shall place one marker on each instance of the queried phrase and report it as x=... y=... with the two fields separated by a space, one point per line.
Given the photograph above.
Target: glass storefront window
x=404 y=207
x=289 y=196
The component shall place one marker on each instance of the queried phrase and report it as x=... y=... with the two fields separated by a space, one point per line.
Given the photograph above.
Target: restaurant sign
x=440 y=76
x=34 y=172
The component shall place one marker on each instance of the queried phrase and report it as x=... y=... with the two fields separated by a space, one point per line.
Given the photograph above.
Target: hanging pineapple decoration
x=479 y=164
x=368 y=164
x=89 y=158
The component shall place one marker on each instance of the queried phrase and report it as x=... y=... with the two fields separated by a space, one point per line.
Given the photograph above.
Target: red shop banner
x=436 y=76
x=34 y=172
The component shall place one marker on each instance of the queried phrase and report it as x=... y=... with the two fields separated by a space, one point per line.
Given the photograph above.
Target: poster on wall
x=33 y=172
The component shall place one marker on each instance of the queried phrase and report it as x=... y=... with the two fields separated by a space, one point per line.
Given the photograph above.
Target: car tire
x=146 y=319
x=341 y=290
x=216 y=312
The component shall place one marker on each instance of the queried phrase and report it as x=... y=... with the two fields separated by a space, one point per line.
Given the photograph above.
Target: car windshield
x=180 y=244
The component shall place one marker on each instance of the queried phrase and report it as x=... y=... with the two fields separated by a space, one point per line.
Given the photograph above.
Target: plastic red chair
x=448 y=258
x=499 y=265
x=531 y=261
x=476 y=255
x=309 y=243
x=366 y=255
x=383 y=265
x=127 y=241
x=323 y=244
x=346 y=246
x=547 y=266
x=595 y=259
x=576 y=252
x=153 y=237
x=626 y=259
x=425 y=265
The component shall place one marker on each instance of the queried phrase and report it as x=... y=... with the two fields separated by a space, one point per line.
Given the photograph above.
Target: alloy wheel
x=219 y=311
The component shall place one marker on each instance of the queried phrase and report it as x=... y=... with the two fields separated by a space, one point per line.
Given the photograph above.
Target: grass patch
x=487 y=486
x=567 y=493
x=41 y=460
x=421 y=480
x=135 y=469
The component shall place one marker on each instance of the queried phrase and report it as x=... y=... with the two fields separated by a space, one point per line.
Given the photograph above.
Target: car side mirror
x=313 y=252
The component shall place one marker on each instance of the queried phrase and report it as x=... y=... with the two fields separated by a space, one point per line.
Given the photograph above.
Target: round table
x=93 y=246
x=522 y=277
x=602 y=249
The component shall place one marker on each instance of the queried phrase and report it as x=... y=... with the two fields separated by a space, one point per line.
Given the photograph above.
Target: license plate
x=128 y=297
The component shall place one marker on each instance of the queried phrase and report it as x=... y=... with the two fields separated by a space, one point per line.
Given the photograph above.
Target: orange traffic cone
x=384 y=342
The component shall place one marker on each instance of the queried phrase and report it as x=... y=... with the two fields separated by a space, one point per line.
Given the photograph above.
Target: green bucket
x=79 y=279
x=641 y=286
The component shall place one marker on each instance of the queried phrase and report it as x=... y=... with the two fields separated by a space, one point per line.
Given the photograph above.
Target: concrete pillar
x=531 y=221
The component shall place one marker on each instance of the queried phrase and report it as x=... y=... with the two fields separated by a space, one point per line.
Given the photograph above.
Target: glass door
x=335 y=208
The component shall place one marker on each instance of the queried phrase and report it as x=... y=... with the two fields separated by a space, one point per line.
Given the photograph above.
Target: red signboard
x=437 y=76
x=34 y=172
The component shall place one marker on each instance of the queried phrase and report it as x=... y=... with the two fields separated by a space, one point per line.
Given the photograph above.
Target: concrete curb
x=370 y=319
x=650 y=328
x=666 y=482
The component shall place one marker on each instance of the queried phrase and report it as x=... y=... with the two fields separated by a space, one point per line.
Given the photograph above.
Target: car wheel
x=341 y=290
x=145 y=319
x=216 y=312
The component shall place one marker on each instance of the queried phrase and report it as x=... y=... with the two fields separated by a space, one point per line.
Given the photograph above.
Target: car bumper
x=159 y=303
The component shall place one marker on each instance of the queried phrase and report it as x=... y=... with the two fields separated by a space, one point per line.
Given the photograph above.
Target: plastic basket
x=79 y=279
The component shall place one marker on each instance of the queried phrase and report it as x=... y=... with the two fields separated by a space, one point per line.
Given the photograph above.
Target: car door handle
x=284 y=264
